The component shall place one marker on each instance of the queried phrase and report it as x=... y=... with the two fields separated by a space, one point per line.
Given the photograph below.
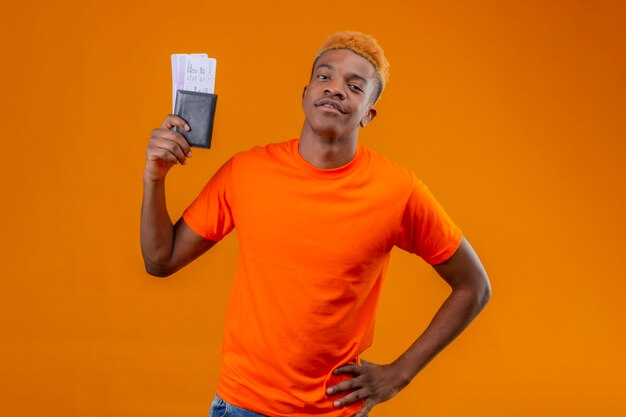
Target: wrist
x=404 y=370
x=151 y=179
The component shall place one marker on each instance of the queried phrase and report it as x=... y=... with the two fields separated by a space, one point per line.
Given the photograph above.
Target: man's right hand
x=166 y=148
x=166 y=248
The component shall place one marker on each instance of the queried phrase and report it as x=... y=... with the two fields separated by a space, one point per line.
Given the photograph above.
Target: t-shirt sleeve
x=210 y=214
x=426 y=230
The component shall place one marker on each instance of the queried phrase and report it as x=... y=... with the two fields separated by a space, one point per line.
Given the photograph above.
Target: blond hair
x=363 y=45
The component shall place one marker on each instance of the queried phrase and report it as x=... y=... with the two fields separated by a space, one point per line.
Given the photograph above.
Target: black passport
x=198 y=110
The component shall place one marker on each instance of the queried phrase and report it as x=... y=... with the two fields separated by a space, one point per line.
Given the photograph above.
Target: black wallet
x=198 y=110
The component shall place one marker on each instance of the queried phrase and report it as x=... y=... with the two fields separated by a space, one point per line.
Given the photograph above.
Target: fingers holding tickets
x=174 y=138
x=166 y=148
x=173 y=120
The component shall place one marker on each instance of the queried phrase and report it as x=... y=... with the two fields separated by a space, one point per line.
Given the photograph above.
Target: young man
x=316 y=218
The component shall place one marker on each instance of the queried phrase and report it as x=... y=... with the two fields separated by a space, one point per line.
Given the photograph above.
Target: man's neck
x=326 y=153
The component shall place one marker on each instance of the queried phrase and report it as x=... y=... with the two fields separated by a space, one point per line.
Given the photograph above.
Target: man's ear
x=304 y=90
x=369 y=116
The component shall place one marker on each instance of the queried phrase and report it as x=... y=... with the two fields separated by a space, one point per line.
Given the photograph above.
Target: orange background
x=514 y=114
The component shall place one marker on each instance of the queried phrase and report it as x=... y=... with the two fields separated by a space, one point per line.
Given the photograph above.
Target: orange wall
x=514 y=113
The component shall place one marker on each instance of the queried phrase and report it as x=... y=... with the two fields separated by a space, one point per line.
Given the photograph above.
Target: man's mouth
x=330 y=104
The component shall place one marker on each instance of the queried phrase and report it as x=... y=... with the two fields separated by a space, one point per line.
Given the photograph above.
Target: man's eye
x=355 y=87
x=322 y=77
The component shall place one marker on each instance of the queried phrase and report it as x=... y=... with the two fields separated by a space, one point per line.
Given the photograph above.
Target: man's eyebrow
x=357 y=76
x=330 y=67
x=350 y=75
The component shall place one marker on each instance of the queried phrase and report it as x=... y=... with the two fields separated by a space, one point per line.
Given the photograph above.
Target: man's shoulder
x=384 y=165
x=264 y=161
x=270 y=151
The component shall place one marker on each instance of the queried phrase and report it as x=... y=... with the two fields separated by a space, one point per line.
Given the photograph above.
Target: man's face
x=339 y=96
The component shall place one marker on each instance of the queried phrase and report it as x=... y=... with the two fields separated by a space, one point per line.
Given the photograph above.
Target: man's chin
x=331 y=131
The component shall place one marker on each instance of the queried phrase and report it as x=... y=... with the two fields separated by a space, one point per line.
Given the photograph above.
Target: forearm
x=157 y=230
x=454 y=315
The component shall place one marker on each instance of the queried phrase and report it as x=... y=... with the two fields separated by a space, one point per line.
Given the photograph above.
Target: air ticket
x=192 y=72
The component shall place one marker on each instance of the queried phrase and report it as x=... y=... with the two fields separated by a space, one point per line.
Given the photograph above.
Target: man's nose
x=333 y=89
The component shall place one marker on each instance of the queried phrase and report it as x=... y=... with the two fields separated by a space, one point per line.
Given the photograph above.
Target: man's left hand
x=371 y=382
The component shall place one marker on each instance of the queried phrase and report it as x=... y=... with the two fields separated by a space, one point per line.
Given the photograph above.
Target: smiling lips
x=331 y=104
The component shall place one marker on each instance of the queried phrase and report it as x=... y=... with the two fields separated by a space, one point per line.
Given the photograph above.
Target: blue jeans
x=220 y=408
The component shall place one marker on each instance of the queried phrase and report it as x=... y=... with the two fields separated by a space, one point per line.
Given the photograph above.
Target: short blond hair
x=363 y=45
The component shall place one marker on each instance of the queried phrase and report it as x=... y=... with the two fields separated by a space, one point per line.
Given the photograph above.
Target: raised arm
x=471 y=290
x=166 y=247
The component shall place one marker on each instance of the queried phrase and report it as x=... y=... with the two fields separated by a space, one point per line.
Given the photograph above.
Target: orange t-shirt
x=314 y=248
